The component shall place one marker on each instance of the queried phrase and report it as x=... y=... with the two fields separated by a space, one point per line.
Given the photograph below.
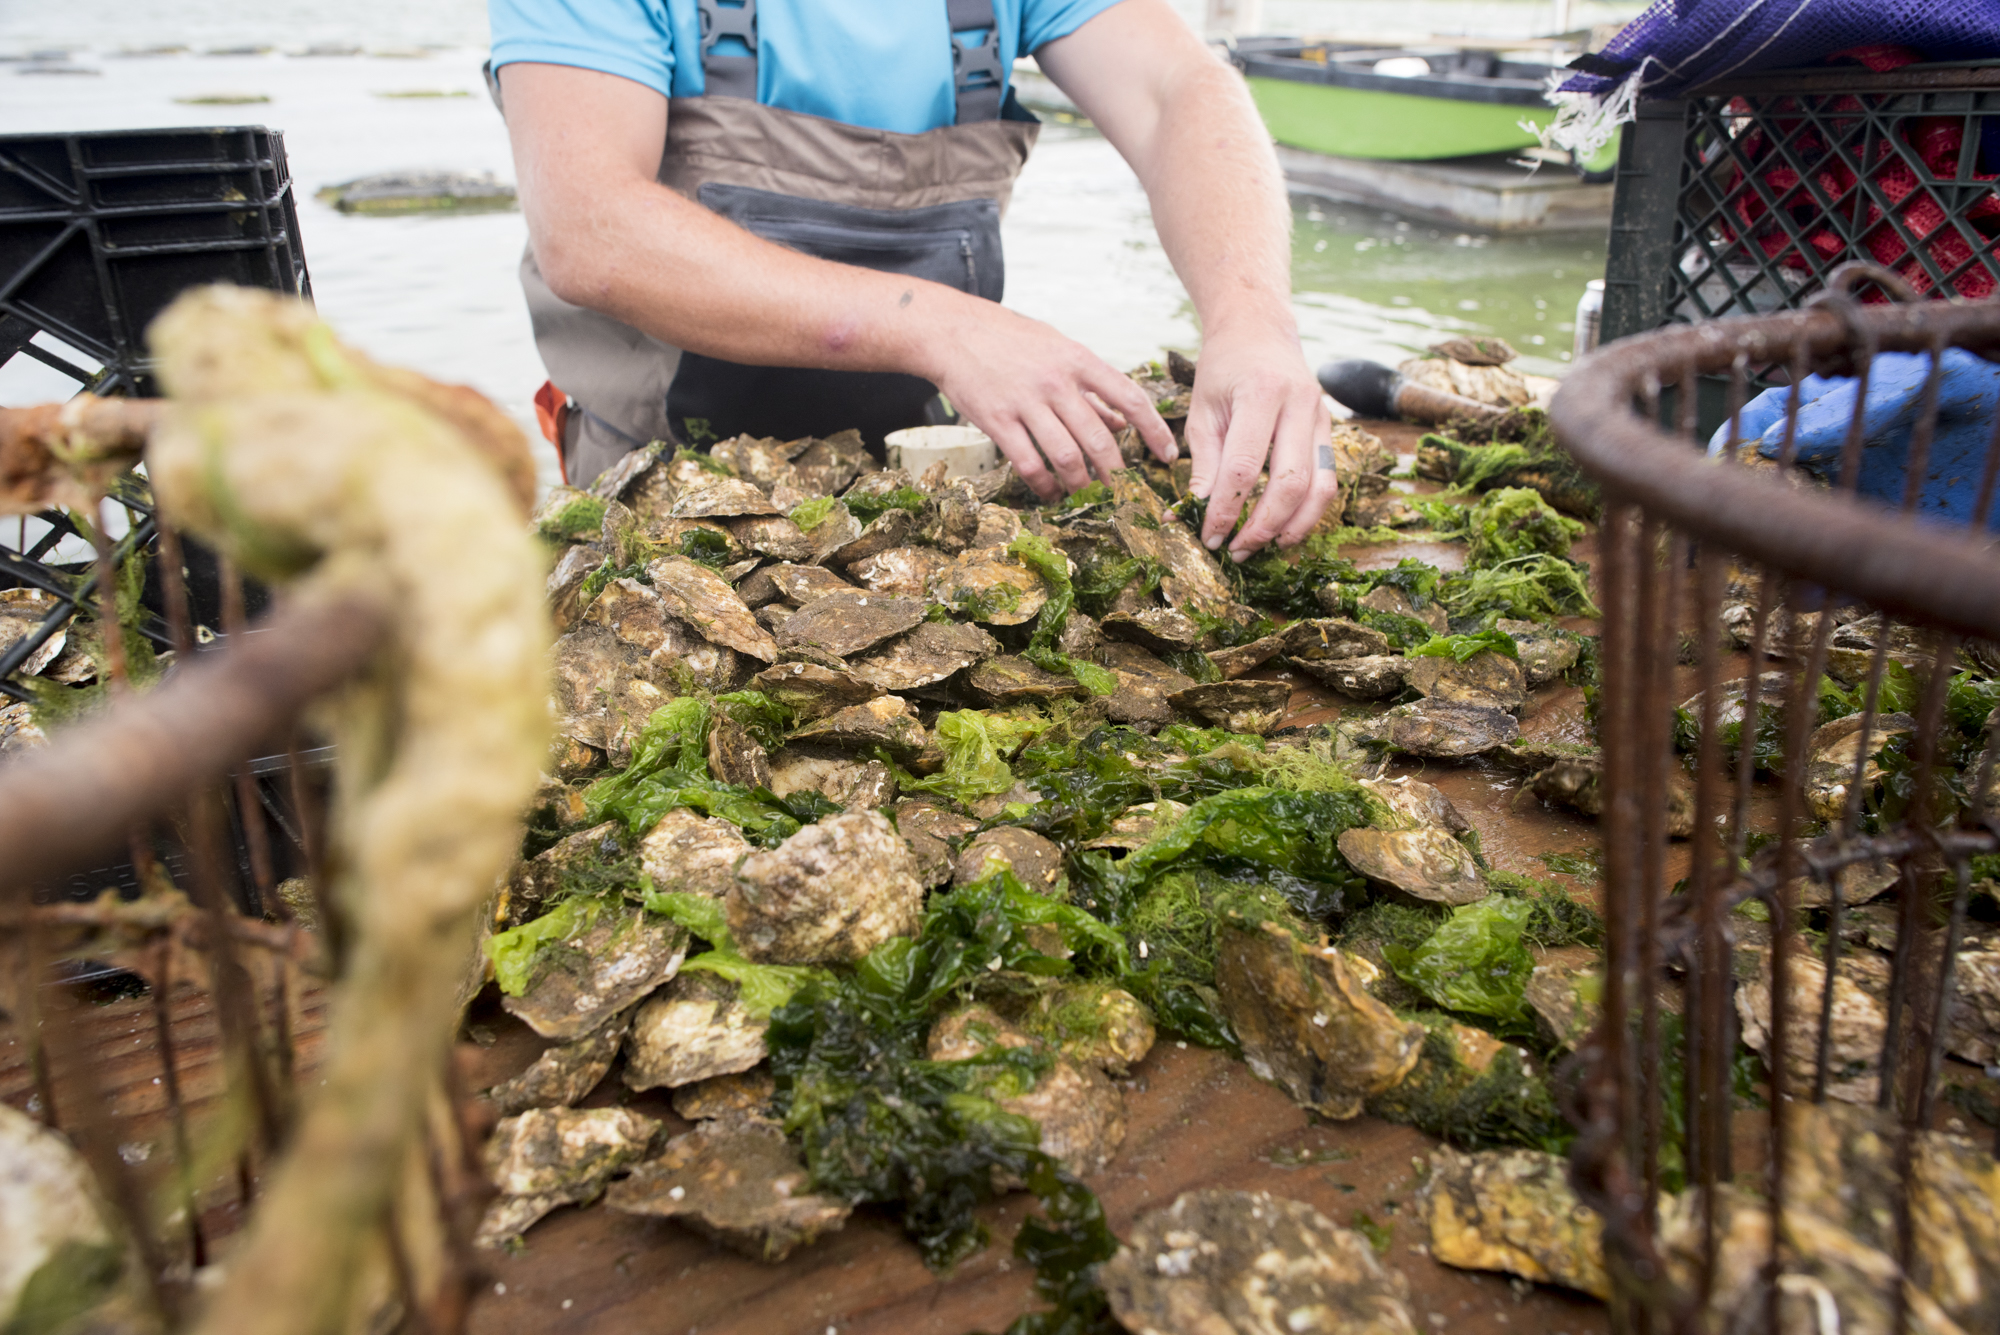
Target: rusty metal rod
x=63 y=805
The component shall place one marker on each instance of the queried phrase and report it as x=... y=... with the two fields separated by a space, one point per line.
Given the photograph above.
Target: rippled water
x=440 y=294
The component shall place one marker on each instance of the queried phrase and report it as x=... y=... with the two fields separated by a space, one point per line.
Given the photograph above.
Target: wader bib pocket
x=956 y=244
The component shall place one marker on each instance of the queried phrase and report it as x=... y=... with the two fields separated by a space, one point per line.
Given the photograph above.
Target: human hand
x=1254 y=396
x=1047 y=401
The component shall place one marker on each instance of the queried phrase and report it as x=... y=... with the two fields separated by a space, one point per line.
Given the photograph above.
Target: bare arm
x=1185 y=122
x=609 y=236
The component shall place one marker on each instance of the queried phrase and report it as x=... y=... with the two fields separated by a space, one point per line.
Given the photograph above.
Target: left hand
x=1255 y=397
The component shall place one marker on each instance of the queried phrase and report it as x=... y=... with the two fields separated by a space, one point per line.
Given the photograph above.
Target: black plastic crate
x=99 y=232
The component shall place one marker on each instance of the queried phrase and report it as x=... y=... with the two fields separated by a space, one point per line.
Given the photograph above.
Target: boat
x=1402 y=103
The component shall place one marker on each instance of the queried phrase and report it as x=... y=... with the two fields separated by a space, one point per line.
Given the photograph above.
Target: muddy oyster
x=774 y=536
x=547 y=1157
x=761 y=460
x=1393 y=601
x=829 y=894
x=1487 y=678
x=1305 y=1020
x=1564 y=992
x=535 y=882
x=1135 y=825
x=925 y=656
x=1837 y=749
x=1374 y=677
x=22 y=612
x=55 y=1225
x=721 y=1095
x=578 y=984
x=690 y=852
x=1163 y=630
x=692 y=1029
x=1148 y=532
x=1145 y=684
x=1514 y=1211
x=1546 y=653
x=802 y=584
x=605 y=690
x=1234 y=662
x=1860 y=1020
x=887 y=723
x=929 y=830
x=564 y=1074
x=1441 y=729
x=1236 y=706
x=719 y=497
x=1323 y=638
x=1080 y=1112
x=1012 y=680
x=1105 y=1027
x=1579 y=782
x=847 y=623
x=1036 y=862
x=679 y=654
x=737 y=1180
x=1425 y=863
x=734 y=756
x=889 y=530
x=1246 y=1263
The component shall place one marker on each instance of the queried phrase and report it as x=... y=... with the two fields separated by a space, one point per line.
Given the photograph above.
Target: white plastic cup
x=965 y=450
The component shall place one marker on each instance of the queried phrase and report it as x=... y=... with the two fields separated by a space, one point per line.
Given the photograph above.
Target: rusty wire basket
x=1788 y=898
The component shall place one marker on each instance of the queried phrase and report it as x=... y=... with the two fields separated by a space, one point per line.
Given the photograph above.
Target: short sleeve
x=629 y=38
x=1043 y=21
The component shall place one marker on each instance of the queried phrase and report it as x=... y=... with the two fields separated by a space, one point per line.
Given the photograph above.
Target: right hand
x=1048 y=402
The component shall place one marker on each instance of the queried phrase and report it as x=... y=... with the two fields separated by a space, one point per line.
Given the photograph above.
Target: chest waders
x=926 y=205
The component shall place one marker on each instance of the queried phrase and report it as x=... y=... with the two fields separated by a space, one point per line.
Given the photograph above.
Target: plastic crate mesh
x=1780 y=190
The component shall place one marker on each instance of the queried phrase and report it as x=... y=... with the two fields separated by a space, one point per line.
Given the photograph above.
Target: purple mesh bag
x=1683 y=44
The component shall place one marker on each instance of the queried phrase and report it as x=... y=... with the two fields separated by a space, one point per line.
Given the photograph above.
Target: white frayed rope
x=1586 y=122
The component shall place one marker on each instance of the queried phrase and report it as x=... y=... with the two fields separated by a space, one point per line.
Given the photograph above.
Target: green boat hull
x=1360 y=123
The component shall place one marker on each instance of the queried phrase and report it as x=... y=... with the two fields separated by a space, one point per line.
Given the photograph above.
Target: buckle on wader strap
x=552 y=409
x=728 y=76
x=976 y=75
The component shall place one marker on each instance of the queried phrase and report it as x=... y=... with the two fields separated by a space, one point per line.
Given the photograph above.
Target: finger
x=1243 y=451
x=1205 y=425
x=1088 y=430
x=1119 y=392
x=1292 y=469
x=1058 y=447
x=1325 y=492
x=1110 y=416
x=1013 y=440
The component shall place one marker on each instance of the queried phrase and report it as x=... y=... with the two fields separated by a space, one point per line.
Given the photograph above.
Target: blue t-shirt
x=883 y=64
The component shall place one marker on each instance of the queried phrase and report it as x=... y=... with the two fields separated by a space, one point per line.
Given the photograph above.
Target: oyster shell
x=1413 y=804
x=605 y=690
x=56 y=1227
x=1036 y=862
x=1137 y=824
x=1321 y=638
x=1305 y=1020
x=1238 y=706
x=1514 y=1211
x=533 y=883
x=565 y=585
x=1012 y=680
x=985 y=587
x=836 y=776
x=1388 y=598
x=886 y=722
x=929 y=830
x=1834 y=750
x=703 y=599
x=1579 y=782
x=1234 y=662
x=1145 y=684
x=889 y=530
x=1487 y=678
x=734 y=756
x=834 y=532
x=799 y=585
x=22 y=612
x=692 y=1029
x=578 y=984
x=774 y=536
x=1860 y=1020
x=1192 y=575
x=1081 y=1114
x=1564 y=996
x=926 y=655
x=1425 y=863
x=738 y=1181
x=547 y=1157
x=811 y=691
x=1114 y=1033
x=959 y=510
x=638 y=615
x=1163 y=630
x=565 y=1073
x=721 y=1095
x=1246 y=1263
x=829 y=894
x=760 y=460
x=1545 y=653
x=18 y=729
x=1442 y=729
x=904 y=571
x=847 y=623
x=998 y=525
x=692 y=853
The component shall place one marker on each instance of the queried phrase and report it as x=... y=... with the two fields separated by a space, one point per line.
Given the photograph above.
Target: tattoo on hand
x=1326 y=457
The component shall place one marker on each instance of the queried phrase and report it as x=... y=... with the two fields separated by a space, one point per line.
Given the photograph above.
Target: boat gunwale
x=1292 y=69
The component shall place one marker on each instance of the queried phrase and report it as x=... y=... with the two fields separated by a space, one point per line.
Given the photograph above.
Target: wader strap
x=976 y=77
x=729 y=76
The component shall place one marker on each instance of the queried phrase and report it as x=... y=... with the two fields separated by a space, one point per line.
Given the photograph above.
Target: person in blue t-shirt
x=782 y=217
